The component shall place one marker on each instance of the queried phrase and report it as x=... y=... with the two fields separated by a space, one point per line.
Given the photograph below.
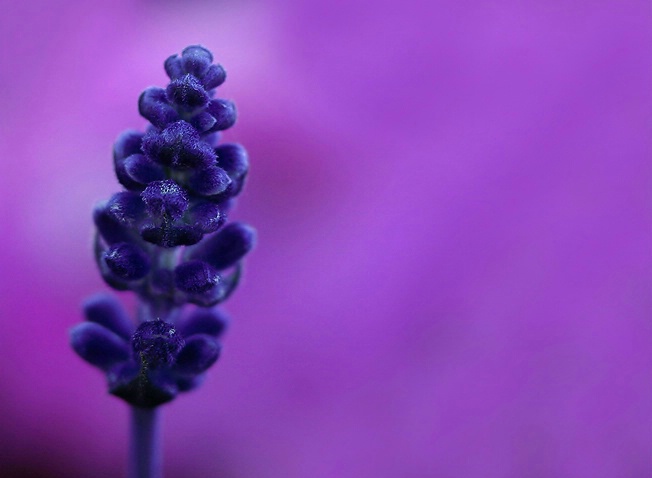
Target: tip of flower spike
x=197 y=52
x=196 y=60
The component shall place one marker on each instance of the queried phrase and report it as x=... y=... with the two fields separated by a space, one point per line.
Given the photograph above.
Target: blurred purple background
x=454 y=271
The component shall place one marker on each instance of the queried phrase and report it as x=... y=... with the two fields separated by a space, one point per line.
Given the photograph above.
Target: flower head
x=150 y=364
x=165 y=237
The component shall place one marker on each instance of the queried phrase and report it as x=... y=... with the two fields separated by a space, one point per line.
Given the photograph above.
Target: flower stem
x=145 y=457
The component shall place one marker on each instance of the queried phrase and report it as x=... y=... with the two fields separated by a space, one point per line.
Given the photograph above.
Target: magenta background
x=454 y=270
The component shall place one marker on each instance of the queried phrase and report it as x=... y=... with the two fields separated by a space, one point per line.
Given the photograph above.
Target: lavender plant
x=166 y=238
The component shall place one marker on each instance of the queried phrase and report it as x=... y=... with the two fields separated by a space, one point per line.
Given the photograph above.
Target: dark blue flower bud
x=178 y=146
x=199 y=353
x=224 y=113
x=196 y=60
x=209 y=181
x=233 y=158
x=227 y=246
x=203 y=122
x=195 y=277
x=188 y=93
x=173 y=67
x=171 y=235
x=212 y=138
x=157 y=343
x=126 y=207
x=127 y=261
x=109 y=277
x=211 y=322
x=153 y=106
x=108 y=226
x=98 y=345
x=206 y=217
x=128 y=143
x=226 y=204
x=143 y=170
x=214 y=77
x=186 y=383
x=165 y=199
x=105 y=310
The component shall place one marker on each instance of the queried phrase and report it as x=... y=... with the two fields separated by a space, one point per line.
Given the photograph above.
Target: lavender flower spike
x=165 y=237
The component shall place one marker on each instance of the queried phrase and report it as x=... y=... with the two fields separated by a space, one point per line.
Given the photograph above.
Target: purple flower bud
x=105 y=310
x=127 y=261
x=211 y=322
x=165 y=199
x=227 y=246
x=209 y=181
x=203 y=122
x=157 y=343
x=153 y=106
x=178 y=146
x=196 y=60
x=126 y=207
x=186 y=383
x=199 y=353
x=128 y=143
x=173 y=67
x=224 y=113
x=214 y=77
x=206 y=217
x=188 y=93
x=195 y=277
x=109 y=227
x=233 y=158
x=98 y=345
x=143 y=170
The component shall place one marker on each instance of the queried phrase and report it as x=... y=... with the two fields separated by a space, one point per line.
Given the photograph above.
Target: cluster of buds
x=166 y=238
